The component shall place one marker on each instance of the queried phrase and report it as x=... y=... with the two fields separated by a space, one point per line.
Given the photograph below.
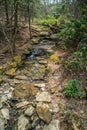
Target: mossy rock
x=11 y=72
x=55 y=58
x=17 y=60
x=12 y=65
x=25 y=91
x=35 y=40
x=43 y=33
x=28 y=49
x=2 y=70
x=1 y=80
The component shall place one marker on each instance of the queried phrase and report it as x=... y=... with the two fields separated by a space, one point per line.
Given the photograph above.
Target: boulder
x=29 y=111
x=11 y=72
x=43 y=112
x=22 y=104
x=43 y=97
x=25 y=91
x=35 y=40
x=18 y=60
x=2 y=69
x=5 y=113
x=22 y=123
x=54 y=125
x=2 y=123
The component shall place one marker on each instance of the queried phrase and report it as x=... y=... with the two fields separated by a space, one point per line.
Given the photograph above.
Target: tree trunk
x=29 y=18
x=15 y=24
x=6 y=11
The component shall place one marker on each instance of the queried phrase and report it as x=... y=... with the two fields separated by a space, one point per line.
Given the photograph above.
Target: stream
x=24 y=105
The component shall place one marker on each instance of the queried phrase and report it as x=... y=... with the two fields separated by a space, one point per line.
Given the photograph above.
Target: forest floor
x=32 y=86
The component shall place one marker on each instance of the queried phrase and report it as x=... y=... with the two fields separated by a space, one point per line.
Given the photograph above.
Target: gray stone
x=5 y=113
x=35 y=121
x=43 y=97
x=43 y=112
x=40 y=85
x=29 y=111
x=22 y=104
x=2 y=124
x=4 y=98
x=54 y=125
x=1 y=105
x=22 y=123
x=55 y=107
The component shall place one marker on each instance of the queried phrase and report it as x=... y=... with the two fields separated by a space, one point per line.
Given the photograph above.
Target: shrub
x=78 y=62
x=73 y=89
x=73 y=32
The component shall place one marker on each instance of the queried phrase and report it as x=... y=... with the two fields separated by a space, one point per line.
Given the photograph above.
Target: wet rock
x=28 y=50
x=29 y=111
x=43 y=97
x=36 y=71
x=54 y=125
x=25 y=91
x=44 y=113
x=22 y=104
x=22 y=123
x=5 y=113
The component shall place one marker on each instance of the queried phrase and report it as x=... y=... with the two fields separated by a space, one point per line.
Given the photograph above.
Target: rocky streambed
x=25 y=103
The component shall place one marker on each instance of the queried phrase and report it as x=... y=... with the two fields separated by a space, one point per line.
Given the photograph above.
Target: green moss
x=55 y=58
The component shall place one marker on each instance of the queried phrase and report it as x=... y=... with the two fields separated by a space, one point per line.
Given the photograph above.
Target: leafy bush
x=52 y=20
x=79 y=60
x=73 y=89
x=73 y=32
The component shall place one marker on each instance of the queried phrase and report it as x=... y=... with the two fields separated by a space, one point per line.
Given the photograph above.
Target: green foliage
x=73 y=32
x=78 y=62
x=52 y=21
x=73 y=89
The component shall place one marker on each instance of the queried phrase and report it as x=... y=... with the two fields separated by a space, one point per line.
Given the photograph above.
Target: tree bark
x=6 y=11
x=29 y=18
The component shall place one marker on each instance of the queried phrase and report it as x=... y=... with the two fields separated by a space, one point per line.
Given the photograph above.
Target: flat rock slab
x=40 y=85
x=43 y=97
x=22 y=104
x=22 y=123
x=54 y=125
x=2 y=124
x=25 y=91
x=5 y=113
x=43 y=112
x=29 y=111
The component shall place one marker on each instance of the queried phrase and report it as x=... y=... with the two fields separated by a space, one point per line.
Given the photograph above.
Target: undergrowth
x=73 y=89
